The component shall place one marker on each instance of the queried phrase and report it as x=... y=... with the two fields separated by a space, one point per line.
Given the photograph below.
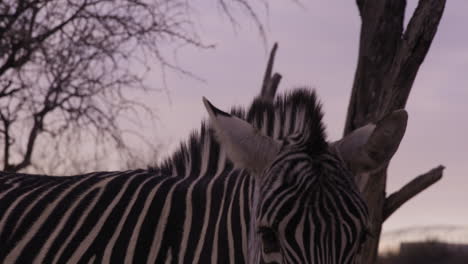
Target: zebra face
x=309 y=210
x=307 y=206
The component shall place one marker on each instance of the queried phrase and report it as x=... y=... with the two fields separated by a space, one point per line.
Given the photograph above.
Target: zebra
x=256 y=185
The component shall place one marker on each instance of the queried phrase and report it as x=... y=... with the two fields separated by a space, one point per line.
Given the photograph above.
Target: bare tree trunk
x=389 y=59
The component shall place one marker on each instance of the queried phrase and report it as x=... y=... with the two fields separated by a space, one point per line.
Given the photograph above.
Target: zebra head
x=306 y=206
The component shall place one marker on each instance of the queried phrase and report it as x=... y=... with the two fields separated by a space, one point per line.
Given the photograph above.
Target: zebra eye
x=269 y=239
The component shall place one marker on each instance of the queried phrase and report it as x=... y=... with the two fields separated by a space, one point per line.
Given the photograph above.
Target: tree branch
x=274 y=83
x=413 y=48
x=4 y=92
x=381 y=31
x=360 y=4
x=35 y=131
x=48 y=106
x=411 y=189
x=6 y=138
x=270 y=84
x=21 y=8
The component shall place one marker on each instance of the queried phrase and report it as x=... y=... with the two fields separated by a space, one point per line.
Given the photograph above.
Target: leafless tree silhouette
x=67 y=66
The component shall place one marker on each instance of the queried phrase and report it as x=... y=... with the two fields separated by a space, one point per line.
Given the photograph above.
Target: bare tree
x=389 y=59
x=68 y=66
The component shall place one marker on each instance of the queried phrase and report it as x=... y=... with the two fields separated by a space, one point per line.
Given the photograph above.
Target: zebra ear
x=245 y=146
x=371 y=147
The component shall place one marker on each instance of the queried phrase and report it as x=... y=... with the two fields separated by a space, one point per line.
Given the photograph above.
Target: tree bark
x=389 y=59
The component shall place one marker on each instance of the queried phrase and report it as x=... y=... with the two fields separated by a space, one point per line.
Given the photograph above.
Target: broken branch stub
x=270 y=83
x=411 y=189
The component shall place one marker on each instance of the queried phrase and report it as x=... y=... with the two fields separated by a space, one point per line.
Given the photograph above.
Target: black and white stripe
x=197 y=206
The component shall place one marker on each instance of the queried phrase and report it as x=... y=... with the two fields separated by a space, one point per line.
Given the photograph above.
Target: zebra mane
x=297 y=111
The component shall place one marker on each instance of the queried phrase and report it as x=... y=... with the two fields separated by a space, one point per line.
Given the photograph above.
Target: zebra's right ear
x=245 y=146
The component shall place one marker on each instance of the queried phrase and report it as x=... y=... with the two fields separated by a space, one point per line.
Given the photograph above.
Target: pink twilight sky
x=318 y=48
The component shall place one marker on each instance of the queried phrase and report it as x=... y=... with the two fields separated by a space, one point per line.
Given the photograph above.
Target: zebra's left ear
x=245 y=146
x=371 y=147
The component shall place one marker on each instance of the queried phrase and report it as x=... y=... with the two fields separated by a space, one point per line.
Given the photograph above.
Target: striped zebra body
x=121 y=218
x=201 y=205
